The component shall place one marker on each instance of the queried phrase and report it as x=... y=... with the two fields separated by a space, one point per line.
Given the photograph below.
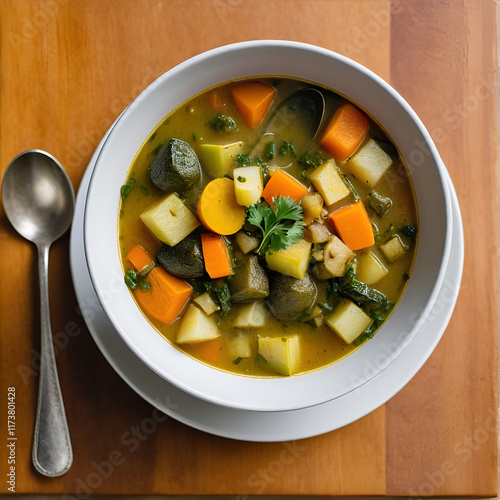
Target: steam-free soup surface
x=286 y=301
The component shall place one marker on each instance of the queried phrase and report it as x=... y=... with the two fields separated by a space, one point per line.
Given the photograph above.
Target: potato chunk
x=247 y=185
x=393 y=249
x=196 y=326
x=218 y=159
x=281 y=353
x=348 y=321
x=292 y=261
x=169 y=220
x=251 y=315
x=370 y=269
x=370 y=163
x=326 y=179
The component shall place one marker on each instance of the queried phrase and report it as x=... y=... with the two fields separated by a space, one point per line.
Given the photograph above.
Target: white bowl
x=277 y=58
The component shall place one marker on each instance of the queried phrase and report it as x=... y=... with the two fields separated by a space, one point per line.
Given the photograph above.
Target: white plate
x=251 y=425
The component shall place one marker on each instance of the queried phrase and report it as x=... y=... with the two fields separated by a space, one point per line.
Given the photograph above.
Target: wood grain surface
x=67 y=70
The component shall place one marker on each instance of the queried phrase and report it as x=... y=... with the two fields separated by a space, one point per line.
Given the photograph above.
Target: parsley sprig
x=280 y=226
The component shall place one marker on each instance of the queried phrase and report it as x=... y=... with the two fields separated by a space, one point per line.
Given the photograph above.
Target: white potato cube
x=247 y=185
x=196 y=326
x=393 y=249
x=348 y=321
x=281 y=353
x=239 y=345
x=293 y=261
x=370 y=163
x=326 y=179
x=370 y=269
x=169 y=220
x=207 y=303
x=336 y=256
x=251 y=315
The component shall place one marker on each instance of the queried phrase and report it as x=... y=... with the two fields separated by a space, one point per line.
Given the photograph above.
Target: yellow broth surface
x=192 y=122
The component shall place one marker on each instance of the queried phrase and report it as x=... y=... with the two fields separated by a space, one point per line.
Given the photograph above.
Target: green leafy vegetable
x=223 y=123
x=308 y=160
x=368 y=334
x=221 y=295
x=145 y=286
x=125 y=190
x=132 y=279
x=280 y=227
x=409 y=231
x=243 y=160
x=237 y=360
x=241 y=178
x=381 y=204
x=287 y=148
x=269 y=150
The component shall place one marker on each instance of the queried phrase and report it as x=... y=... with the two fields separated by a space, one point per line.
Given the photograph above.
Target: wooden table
x=67 y=70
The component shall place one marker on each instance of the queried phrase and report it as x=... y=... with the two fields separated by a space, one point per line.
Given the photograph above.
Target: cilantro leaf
x=281 y=226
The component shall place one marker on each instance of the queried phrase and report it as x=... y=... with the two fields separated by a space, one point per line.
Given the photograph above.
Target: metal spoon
x=299 y=115
x=39 y=202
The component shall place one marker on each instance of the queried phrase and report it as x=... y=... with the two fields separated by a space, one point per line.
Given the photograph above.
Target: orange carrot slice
x=252 y=100
x=218 y=209
x=353 y=226
x=215 y=255
x=166 y=297
x=215 y=99
x=345 y=132
x=283 y=184
x=139 y=259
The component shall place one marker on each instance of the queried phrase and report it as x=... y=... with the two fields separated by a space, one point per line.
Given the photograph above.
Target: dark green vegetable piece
x=221 y=294
x=409 y=231
x=363 y=295
x=269 y=150
x=290 y=296
x=176 y=167
x=223 y=123
x=381 y=204
x=249 y=281
x=184 y=259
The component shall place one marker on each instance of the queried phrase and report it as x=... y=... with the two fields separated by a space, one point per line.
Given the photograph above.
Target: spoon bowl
x=39 y=202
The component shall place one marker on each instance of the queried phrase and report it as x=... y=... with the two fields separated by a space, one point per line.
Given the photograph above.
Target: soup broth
x=353 y=276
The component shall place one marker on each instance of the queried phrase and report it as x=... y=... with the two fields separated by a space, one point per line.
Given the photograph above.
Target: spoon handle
x=52 y=451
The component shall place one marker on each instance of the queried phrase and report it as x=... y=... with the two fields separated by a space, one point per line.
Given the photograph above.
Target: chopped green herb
x=144 y=190
x=287 y=148
x=283 y=339
x=122 y=213
x=406 y=277
x=243 y=160
x=269 y=150
x=241 y=179
x=193 y=135
x=308 y=160
x=132 y=279
x=223 y=123
x=237 y=360
x=152 y=136
x=280 y=227
x=125 y=190
x=145 y=286
x=409 y=231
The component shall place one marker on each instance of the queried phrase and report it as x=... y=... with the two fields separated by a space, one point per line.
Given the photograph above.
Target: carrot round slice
x=218 y=209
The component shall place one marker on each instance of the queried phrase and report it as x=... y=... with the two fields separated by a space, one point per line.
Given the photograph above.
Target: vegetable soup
x=267 y=227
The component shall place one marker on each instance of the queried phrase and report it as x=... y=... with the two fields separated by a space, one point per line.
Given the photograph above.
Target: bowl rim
x=235 y=392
